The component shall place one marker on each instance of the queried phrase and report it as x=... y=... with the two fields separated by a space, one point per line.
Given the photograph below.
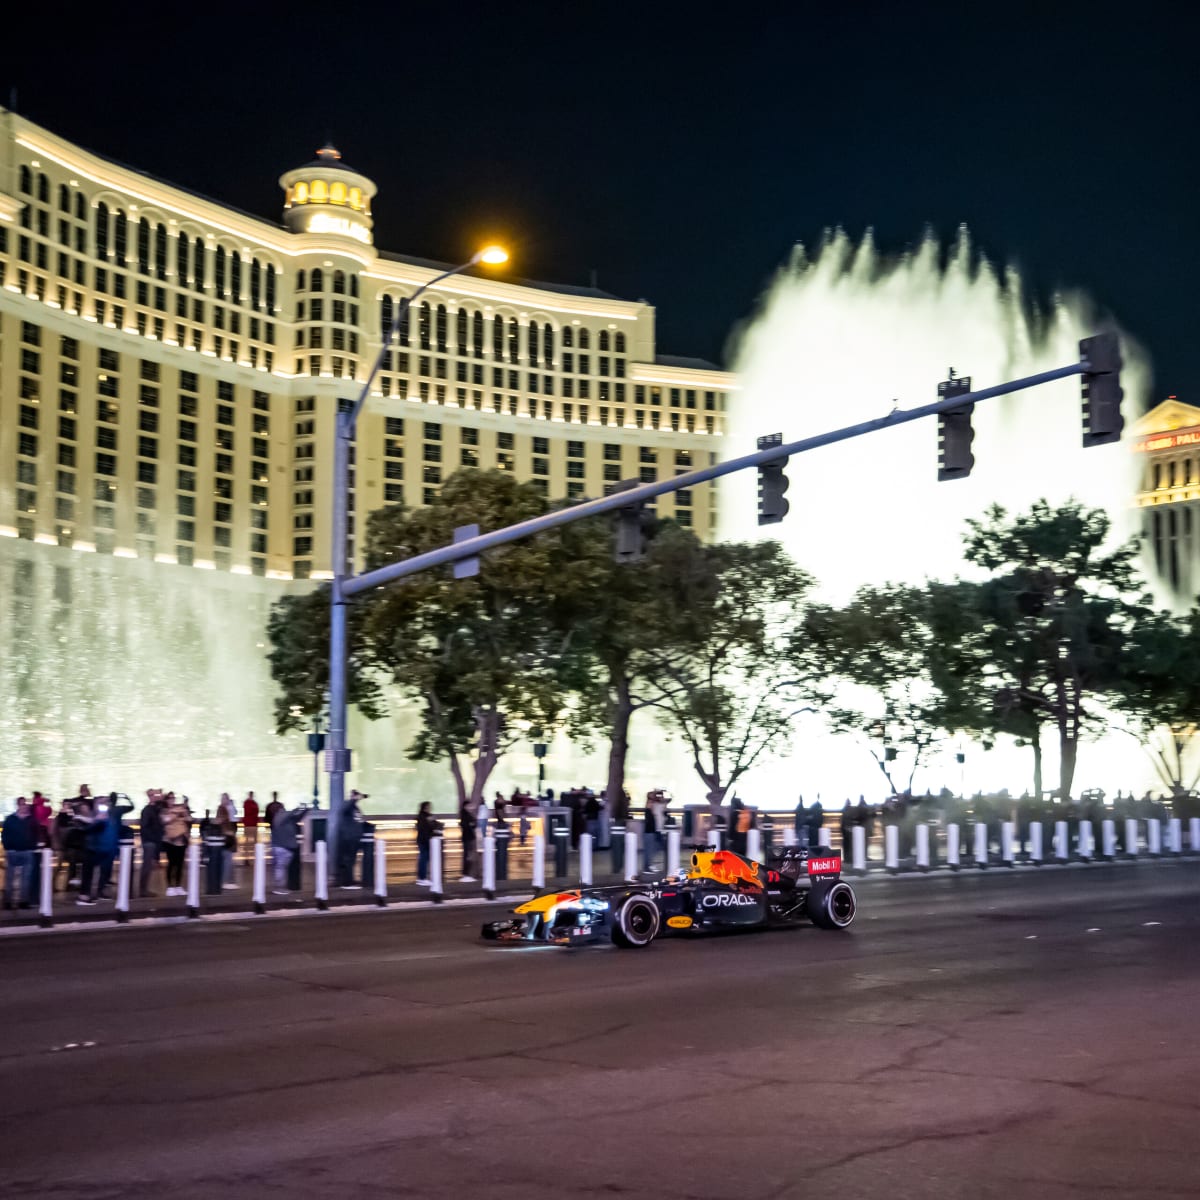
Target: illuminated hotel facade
x=1167 y=443
x=170 y=369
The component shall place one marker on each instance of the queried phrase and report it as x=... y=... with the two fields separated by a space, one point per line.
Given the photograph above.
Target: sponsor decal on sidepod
x=727 y=900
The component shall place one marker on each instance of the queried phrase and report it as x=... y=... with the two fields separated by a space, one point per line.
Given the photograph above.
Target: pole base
x=259 y=908
x=193 y=912
x=489 y=894
x=45 y=922
x=436 y=897
x=322 y=905
x=122 y=916
x=381 y=902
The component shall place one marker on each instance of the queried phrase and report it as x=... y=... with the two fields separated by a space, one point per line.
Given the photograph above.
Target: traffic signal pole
x=650 y=491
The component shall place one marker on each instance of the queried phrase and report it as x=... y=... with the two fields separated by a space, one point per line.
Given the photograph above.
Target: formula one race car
x=720 y=890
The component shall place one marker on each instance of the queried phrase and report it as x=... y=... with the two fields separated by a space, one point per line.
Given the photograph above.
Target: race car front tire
x=636 y=923
x=833 y=907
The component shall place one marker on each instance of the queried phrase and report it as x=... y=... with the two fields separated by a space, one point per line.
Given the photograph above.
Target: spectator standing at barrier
x=42 y=815
x=226 y=821
x=591 y=818
x=150 y=833
x=349 y=839
x=250 y=819
x=103 y=839
x=800 y=822
x=20 y=841
x=815 y=822
x=285 y=843
x=427 y=826
x=653 y=835
x=740 y=820
x=176 y=824
x=60 y=830
x=269 y=812
x=846 y=825
x=466 y=828
x=481 y=818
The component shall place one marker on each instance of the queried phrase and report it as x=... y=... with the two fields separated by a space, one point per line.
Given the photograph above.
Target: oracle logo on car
x=824 y=866
x=727 y=900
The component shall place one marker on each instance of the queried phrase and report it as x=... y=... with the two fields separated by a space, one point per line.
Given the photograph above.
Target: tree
x=1054 y=617
x=298 y=630
x=624 y=619
x=731 y=688
x=1158 y=693
x=480 y=655
x=877 y=682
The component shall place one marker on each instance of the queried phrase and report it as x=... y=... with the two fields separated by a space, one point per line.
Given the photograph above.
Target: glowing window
x=320 y=193
x=356 y=197
x=337 y=193
x=301 y=193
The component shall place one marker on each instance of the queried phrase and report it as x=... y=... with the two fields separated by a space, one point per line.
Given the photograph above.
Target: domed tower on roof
x=327 y=196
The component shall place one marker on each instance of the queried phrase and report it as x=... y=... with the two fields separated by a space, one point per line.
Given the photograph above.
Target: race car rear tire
x=636 y=923
x=833 y=907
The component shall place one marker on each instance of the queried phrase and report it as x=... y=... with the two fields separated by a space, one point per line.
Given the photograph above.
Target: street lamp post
x=337 y=754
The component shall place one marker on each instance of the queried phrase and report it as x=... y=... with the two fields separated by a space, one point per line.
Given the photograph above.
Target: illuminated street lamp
x=337 y=755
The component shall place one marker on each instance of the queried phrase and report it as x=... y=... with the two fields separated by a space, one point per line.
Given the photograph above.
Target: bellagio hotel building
x=170 y=369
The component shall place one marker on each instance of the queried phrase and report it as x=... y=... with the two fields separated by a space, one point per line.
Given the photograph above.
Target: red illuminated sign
x=1168 y=441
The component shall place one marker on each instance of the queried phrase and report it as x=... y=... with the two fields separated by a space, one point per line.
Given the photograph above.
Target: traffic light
x=955 y=434
x=630 y=524
x=772 y=483
x=1101 y=387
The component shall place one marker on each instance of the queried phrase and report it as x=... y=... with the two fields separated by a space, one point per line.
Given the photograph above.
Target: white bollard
x=322 y=896
x=754 y=845
x=1062 y=844
x=789 y=835
x=1108 y=834
x=124 y=878
x=1035 y=843
x=1154 y=835
x=823 y=837
x=585 y=859
x=922 y=847
x=1007 y=857
x=981 y=844
x=631 y=855
x=1194 y=835
x=860 y=849
x=1175 y=835
x=436 y=889
x=1131 y=837
x=489 y=867
x=193 y=879
x=714 y=839
x=891 y=848
x=952 y=847
x=46 y=897
x=381 y=871
x=1087 y=845
x=538 y=874
x=260 y=878
x=674 y=834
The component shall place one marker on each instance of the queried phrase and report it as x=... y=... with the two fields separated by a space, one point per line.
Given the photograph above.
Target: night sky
x=677 y=150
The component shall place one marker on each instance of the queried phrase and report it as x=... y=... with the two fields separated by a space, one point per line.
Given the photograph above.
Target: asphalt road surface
x=981 y=1036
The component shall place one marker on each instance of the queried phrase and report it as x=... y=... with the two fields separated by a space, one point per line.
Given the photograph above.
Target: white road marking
x=1150 y=924
x=1094 y=929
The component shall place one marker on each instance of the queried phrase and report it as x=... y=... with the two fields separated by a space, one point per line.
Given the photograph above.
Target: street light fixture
x=337 y=755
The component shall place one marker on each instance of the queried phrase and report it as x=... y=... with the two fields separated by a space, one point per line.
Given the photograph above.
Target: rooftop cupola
x=327 y=196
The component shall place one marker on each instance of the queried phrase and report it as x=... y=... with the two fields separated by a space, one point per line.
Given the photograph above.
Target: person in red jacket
x=250 y=819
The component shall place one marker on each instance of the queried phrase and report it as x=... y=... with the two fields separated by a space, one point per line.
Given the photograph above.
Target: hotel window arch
x=533 y=343
x=440 y=329
x=198 y=267
x=548 y=345
x=300 y=281
x=1171 y=475
x=235 y=276
x=514 y=340
x=64 y=198
x=271 y=285
x=498 y=338
x=120 y=236
x=26 y=180
x=477 y=333
x=337 y=192
x=43 y=188
x=354 y=286
x=300 y=193
x=604 y=339
x=255 y=283
x=143 y=246
x=219 y=271
x=387 y=314
x=461 y=332
x=568 y=337
x=160 y=252
x=339 y=283
x=585 y=339
x=316 y=280
x=356 y=197
x=320 y=191
x=1157 y=476
x=423 y=324
x=80 y=207
x=101 y=230
x=619 y=343
x=181 y=260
